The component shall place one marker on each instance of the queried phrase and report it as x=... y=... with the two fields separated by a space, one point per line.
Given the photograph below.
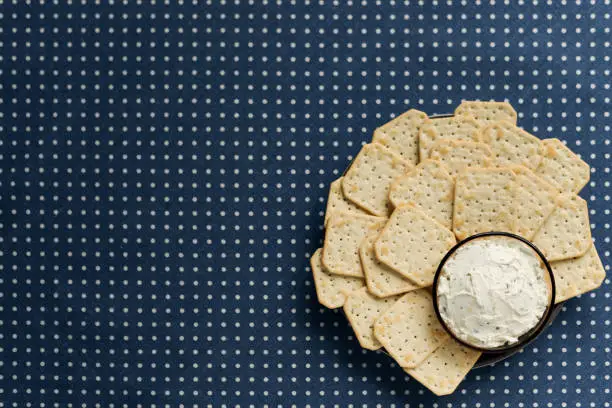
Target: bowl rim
x=530 y=335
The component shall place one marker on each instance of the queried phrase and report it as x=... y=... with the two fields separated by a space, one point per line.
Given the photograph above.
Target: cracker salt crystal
x=446 y=128
x=512 y=145
x=413 y=244
x=336 y=202
x=362 y=309
x=367 y=181
x=443 y=370
x=401 y=135
x=567 y=232
x=429 y=187
x=332 y=290
x=563 y=168
x=458 y=155
x=342 y=239
x=381 y=280
x=576 y=276
x=483 y=201
x=410 y=330
x=486 y=112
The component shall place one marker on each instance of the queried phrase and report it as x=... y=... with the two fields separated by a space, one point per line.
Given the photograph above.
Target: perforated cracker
x=533 y=200
x=567 y=232
x=336 y=202
x=410 y=330
x=342 y=239
x=512 y=145
x=401 y=135
x=458 y=155
x=331 y=289
x=429 y=187
x=483 y=200
x=413 y=244
x=381 y=280
x=576 y=276
x=443 y=370
x=487 y=112
x=362 y=309
x=447 y=128
x=367 y=181
x=563 y=168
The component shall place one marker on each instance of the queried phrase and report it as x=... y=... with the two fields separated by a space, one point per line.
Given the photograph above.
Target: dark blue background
x=163 y=174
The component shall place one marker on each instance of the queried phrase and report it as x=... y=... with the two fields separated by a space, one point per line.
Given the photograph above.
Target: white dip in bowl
x=492 y=290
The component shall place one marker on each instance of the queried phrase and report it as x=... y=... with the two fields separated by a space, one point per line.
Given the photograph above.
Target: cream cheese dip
x=492 y=290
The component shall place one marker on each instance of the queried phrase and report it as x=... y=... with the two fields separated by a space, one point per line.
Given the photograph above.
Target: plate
x=487 y=359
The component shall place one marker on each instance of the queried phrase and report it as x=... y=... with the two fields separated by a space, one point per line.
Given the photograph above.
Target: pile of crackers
x=418 y=188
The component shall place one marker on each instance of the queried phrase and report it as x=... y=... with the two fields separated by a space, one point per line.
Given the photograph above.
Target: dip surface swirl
x=492 y=290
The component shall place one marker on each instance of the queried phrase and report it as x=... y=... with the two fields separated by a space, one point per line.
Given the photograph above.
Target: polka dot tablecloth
x=164 y=168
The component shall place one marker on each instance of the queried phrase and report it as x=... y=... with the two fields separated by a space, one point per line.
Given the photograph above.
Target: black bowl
x=501 y=352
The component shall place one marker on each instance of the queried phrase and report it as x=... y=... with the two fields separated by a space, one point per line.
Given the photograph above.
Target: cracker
x=429 y=187
x=342 y=239
x=567 y=232
x=447 y=128
x=563 y=168
x=362 y=309
x=336 y=202
x=331 y=289
x=381 y=280
x=446 y=367
x=413 y=244
x=367 y=181
x=410 y=330
x=533 y=200
x=458 y=155
x=401 y=135
x=486 y=112
x=576 y=276
x=512 y=145
x=483 y=200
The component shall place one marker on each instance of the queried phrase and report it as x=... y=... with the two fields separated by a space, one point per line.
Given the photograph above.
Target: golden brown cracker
x=410 y=330
x=331 y=289
x=401 y=135
x=367 y=181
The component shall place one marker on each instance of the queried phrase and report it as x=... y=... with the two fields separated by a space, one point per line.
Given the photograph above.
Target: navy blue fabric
x=164 y=168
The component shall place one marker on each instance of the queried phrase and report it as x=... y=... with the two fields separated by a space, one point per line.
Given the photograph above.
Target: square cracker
x=336 y=202
x=413 y=244
x=447 y=128
x=429 y=187
x=533 y=200
x=342 y=239
x=362 y=309
x=512 y=145
x=410 y=330
x=331 y=289
x=567 y=232
x=401 y=135
x=511 y=199
x=381 y=280
x=483 y=200
x=445 y=368
x=367 y=181
x=576 y=276
x=563 y=168
x=486 y=112
x=458 y=155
